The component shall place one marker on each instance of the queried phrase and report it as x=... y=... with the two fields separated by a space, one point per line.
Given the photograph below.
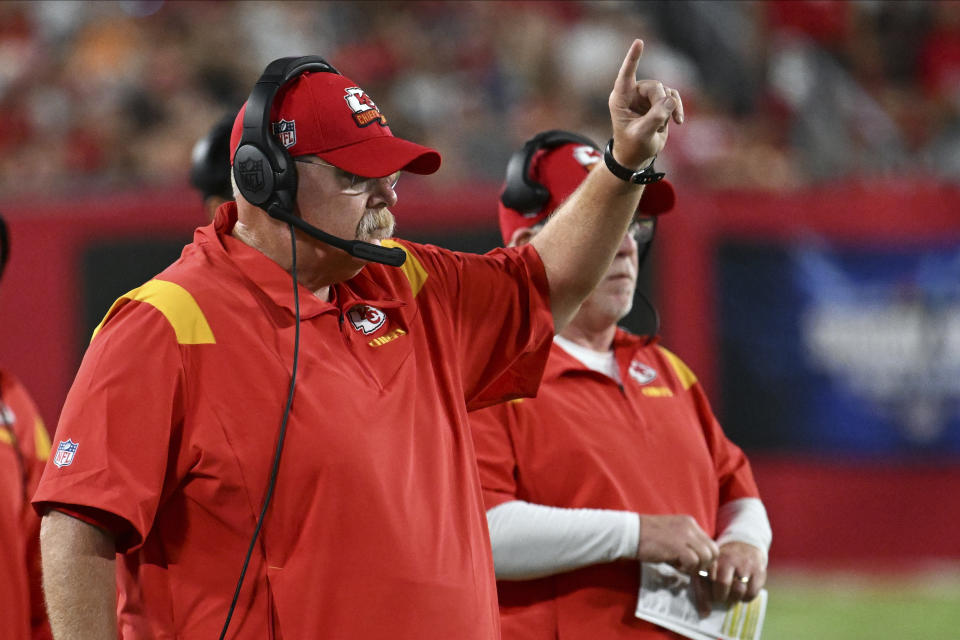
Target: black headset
x=265 y=171
x=210 y=161
x=528 y=197
x=262 y=167
x=523 y=194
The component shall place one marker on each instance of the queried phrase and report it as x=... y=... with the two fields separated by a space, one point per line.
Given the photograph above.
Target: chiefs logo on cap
x=587 y=156
x=365 y=112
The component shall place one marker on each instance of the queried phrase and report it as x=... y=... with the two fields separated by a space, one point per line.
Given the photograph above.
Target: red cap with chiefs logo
x=328 y=115
x=561 y=170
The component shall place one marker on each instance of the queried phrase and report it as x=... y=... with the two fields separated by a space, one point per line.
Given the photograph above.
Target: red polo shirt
x=649 y=446
x=377 y=527
x=24 y=447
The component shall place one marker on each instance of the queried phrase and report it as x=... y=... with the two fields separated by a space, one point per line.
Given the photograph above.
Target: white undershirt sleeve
x=531 y=540
x=744 y=520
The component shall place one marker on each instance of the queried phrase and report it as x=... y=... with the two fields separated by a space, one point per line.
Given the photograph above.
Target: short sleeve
x=733 y=470
x=734 y=475
x=496 y=458
x=501 y=316
x=118 y=424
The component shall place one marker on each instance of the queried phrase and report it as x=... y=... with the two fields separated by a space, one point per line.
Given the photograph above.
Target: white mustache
x=375 y=224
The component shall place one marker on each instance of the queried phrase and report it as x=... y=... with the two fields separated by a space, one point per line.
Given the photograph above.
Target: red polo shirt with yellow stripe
x=377 y=528
x=24 y=448
x=650 y=445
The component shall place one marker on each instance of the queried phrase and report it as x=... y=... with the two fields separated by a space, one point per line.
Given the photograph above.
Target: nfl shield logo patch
x=66 y=450
x=251 y=173
x=286 y=132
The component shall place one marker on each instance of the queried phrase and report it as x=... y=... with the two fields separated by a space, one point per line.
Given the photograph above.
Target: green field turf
x=834 y=606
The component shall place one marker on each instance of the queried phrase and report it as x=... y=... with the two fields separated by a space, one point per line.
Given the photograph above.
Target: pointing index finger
x=628 y=70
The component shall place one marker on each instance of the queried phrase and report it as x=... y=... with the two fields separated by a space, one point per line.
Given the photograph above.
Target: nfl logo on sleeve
x=65 y=452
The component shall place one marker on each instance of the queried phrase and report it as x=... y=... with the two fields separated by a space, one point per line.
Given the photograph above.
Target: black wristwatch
x=644 y=176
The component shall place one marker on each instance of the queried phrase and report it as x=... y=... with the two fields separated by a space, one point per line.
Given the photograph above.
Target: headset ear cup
x=253 y=173
x=523 y=194
x=285 y=177
x=263 y=169
x=285 y=192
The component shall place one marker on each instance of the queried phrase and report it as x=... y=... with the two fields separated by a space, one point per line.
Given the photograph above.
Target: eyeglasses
x=351 y=183
x=641 y=229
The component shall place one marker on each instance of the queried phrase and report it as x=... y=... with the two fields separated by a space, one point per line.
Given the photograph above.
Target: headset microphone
x=390 y=256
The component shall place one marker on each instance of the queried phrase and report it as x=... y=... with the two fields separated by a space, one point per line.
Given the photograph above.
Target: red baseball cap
x=328 y=115
x=561 y=170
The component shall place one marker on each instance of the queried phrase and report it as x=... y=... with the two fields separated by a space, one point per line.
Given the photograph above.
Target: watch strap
x=644 y=176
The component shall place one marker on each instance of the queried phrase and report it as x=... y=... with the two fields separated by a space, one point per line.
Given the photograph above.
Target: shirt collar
x=277 y=283
x=625 y=345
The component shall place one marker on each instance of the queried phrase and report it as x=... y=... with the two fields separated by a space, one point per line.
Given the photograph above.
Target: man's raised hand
x=640 y=111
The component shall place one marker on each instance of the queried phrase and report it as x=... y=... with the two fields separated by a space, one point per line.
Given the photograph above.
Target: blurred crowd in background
x=778 y=94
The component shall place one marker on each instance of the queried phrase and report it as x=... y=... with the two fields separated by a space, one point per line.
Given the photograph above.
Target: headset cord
x=656 y=317
x=641 y=261
x=280 y=437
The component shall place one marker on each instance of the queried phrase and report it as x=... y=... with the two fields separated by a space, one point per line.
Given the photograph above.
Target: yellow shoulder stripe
x=176 y=304
x=687 y=377
x=412 y=268
x=41 y=440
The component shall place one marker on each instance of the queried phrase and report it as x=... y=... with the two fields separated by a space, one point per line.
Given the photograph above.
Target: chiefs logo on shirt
x=365 y=112
x=366 y=319
x=642 y=373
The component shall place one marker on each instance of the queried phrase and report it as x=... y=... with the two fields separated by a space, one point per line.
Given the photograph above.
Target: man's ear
x=520 y=236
